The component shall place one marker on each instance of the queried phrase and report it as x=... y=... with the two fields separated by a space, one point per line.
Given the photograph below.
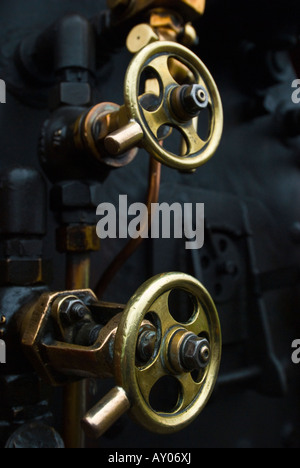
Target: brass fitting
x=163 y=25
x=137 y=344
x=59 y=360
x=91 y=128
x=80 y=238
x=124 y=10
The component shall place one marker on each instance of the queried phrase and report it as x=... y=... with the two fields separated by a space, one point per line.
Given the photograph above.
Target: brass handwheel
x=170 y=352
x=175 y=108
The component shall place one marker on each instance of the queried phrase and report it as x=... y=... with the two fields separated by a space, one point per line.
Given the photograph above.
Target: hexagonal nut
x=25 y=272
x=81 y=238
x=71 y=309
x=70 y=94
x=75 y=194
x=194 y=99
x=36 y=324
x=195 y=353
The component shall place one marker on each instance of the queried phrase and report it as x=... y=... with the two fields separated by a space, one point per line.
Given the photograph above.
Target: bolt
x=201 y=95
x=194 y=99
x=204 y=353
x=72 y=309
x=93 y=334
x=188 y=101
x=87 y=333
x=195 y=353
x=78 y=311
x=146 y=345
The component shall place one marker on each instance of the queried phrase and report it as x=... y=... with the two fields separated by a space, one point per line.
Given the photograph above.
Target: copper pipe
x=78 y=271
x=133 y=244
x=75 y=394
x=74 y=401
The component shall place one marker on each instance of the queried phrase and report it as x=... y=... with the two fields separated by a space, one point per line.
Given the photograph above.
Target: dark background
x=251 y=191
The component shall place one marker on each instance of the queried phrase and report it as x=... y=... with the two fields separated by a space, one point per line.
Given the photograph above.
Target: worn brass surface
x=84 y=134
x=128 y=136
x=94 y=361
x=80 y=238
x=125 y=10
x=190 y=36
x=138 y=381
x=91 y=128
x=140 y=36
x=157 y=57
x=105 y=413
x=173 y=344
x=167 y=24
x=78 y=270
x=62 y=361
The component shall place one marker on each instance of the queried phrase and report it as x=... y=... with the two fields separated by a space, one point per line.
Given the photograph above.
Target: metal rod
x=100 y=418
x=124 y=139
x=75 y=394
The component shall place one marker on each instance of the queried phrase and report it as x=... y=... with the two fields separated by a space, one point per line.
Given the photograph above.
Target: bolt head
x=194 y=99
x=195 y=353
x=72 y=309
x=146 y=345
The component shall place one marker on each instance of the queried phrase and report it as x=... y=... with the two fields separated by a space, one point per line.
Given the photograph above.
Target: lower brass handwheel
x=187 y=352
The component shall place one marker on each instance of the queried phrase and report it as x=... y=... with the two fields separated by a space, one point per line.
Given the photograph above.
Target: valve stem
x=188 y=101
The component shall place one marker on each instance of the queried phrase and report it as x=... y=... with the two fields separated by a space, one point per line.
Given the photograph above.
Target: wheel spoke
x=161 y=65
x=199 y=325
x=161 y=308
x=148 y=376
x=156 y=119
x=190 y=389
x=195 y=143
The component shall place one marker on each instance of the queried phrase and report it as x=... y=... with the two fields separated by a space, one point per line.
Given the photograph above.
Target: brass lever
x=100 y=418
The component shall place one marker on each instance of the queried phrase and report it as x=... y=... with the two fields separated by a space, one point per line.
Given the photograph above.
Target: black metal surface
x=251 y=191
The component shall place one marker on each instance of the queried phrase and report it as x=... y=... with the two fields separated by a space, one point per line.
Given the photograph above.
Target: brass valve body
x=137 y=345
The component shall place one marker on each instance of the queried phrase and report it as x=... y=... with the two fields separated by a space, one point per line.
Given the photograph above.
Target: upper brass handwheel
x=158 y=58
x=168 y=356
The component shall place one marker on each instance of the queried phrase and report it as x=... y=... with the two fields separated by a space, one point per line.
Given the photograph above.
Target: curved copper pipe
x=133 y=244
